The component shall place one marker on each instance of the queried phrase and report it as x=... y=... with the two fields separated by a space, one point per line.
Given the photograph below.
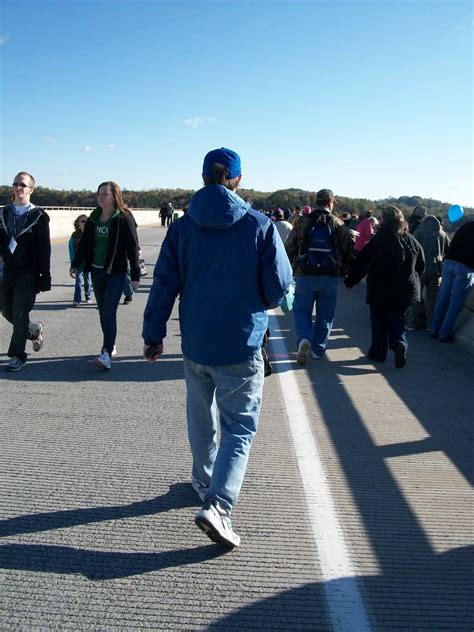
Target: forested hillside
x=155 y=198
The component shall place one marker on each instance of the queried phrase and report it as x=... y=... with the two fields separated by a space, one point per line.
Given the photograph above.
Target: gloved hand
x=43 y=283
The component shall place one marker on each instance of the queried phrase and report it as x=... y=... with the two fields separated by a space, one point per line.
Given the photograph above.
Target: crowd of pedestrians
x=230 y=264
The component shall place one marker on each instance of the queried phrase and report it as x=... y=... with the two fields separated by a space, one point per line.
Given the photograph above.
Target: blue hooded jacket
x=228 y=264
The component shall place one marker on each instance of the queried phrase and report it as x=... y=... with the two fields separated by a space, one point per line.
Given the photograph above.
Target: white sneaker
x=303 y=350
x=200 y=488
x=103 y=361
x=216 y=524
x=114 y=351
x=36 y=332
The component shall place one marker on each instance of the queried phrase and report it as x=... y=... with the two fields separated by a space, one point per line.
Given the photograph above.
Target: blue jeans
x=456 y=281
x=388 y=331
x=235 y=391
x=82 y=277
x=108 y=289
x=322 y=291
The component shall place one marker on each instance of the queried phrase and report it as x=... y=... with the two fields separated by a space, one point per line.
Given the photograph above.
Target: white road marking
x=344 y=599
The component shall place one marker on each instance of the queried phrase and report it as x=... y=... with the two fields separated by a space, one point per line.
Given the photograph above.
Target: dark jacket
x=297 y=242
x=32 y=254
x=434 y=242
x=393 y=266
x=462 y=245
x=122 y=245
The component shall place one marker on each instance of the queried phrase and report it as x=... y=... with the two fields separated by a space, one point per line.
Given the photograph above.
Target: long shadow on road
x=82 y=369
x=428 y=574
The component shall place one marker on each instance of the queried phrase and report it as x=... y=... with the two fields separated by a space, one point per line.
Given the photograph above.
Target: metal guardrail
x=88 y=208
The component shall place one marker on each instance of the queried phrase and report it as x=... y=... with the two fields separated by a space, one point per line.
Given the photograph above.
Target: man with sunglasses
x=25 y=248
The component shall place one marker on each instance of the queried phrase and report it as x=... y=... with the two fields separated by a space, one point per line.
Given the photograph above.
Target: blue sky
x=370 y=99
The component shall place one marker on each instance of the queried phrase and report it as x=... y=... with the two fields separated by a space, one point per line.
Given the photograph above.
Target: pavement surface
x=355 y=514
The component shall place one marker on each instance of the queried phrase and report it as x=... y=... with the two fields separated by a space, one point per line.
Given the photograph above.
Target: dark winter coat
x=32 y=254
x=122 y=246
x=393 y=265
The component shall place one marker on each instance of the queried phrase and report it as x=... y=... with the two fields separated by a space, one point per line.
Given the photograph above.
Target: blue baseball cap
x=223 y=156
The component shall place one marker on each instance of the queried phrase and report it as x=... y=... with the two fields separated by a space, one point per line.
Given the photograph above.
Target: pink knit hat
x=307 y=210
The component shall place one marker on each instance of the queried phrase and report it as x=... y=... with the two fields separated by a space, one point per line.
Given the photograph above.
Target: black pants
x=388 y=330
x=18 y=299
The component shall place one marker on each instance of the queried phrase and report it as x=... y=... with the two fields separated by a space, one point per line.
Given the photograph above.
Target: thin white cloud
x=64 y=172
x=4 y=39
x=197 y=121
x=86 y=148
x=111 y=146
x=49 y=140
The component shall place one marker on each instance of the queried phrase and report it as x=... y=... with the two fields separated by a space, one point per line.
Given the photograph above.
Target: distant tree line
x=285 y=198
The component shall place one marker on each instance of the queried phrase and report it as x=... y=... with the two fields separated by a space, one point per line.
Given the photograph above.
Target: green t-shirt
x=102 y=241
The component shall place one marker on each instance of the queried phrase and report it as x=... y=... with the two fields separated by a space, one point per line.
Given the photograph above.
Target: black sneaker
x=15 y=364
x=400 y=356
x=127 y=300
x=216 y=524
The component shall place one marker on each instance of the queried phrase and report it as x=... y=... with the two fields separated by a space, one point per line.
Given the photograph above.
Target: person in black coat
x=108 y=246
x=393 y=261
x=25 y=250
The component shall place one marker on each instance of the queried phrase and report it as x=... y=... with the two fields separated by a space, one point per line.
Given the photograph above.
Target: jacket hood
x=430 y=223
x=214 y=206
x=94 y=216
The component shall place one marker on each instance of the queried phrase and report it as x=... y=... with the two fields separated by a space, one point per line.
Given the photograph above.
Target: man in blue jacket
x=228 y=266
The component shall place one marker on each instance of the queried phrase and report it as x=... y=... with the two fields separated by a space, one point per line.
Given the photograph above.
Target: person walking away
x=320 y=249
x=435 y=243
x=456 y=282
x=109 y=242
x=415 y=219
x=82 y=278
x=228 y=266
x=25 y=249
x=283 y=227
x=393 y=261
x=365 y=231
x=162 y=215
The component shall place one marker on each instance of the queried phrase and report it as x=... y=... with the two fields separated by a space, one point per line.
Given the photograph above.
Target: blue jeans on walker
x=309 y=290
x=388 y=331
x=82 y=277
x=456 y=281
x=108 y=289
x=235 y=391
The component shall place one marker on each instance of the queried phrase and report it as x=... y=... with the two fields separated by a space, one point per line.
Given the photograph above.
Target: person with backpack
x=320 y=251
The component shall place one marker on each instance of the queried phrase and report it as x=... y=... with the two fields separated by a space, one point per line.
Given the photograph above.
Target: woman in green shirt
x=110 y=241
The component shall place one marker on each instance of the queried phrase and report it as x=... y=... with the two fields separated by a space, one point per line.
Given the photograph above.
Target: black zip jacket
x=122 y=246
x=393 y=266
x=32 y=254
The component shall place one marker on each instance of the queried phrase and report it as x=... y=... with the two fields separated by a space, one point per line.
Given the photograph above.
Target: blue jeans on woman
x=456 y=281
x=236 y=392
x=311 y=290
x=388 y=331
x=108 y=289
x=82 y=278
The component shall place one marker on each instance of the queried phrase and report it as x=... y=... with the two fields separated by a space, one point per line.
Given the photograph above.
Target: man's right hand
x=152 y=352
x=72 y=273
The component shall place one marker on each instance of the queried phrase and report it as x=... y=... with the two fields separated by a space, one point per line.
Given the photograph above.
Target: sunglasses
x=21 y=185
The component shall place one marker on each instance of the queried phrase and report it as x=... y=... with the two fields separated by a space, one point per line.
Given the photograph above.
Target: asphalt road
x=356 y=512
